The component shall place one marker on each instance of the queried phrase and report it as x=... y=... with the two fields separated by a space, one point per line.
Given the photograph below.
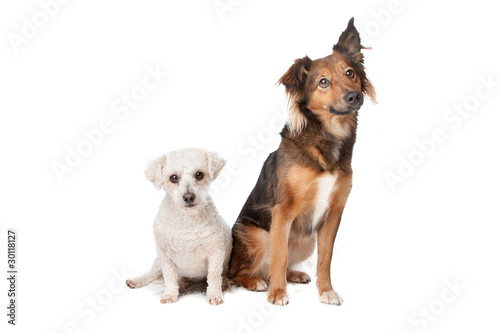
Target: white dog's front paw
x=168 y=298
x=331 y=297
x=215 y=299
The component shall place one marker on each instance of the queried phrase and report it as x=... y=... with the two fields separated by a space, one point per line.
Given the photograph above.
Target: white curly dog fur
x=192 y=239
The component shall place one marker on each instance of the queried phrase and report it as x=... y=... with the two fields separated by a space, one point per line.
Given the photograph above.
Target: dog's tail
x=191 y=286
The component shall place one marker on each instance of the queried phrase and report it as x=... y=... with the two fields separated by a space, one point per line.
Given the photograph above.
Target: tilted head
x=185 y=175
x=330 y=87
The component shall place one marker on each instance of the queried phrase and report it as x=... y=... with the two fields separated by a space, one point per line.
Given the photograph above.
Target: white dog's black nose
x=189 y=198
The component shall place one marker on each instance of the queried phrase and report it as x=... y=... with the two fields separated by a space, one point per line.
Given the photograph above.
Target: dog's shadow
x=196 y=289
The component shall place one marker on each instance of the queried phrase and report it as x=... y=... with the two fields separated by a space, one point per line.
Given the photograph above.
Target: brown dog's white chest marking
x=325 y=188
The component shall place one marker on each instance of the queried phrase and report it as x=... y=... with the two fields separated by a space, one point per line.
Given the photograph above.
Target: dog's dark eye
x=324 y=83
x=350 y=74
x=199 y=175
x=174 y=179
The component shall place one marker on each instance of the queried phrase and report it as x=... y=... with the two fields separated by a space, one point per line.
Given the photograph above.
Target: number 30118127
x=11 y=239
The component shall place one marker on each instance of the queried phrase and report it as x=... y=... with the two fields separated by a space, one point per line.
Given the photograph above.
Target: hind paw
x=297 y=277
x=133 y=284
x=252 y=283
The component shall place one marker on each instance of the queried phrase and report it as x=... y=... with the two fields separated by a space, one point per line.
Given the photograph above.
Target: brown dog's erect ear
x=154 y=171
x=349 y=45
x=215 y=164
x=297 y=74
x=349 y=42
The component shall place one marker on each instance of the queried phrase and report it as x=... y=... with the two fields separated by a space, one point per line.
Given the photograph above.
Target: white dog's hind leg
x=214 y=278
x=144 y=280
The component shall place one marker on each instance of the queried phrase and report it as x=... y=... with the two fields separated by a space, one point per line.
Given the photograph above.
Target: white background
x=398 y=250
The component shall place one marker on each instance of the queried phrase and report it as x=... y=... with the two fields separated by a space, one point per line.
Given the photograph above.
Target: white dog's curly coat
x=192 y=239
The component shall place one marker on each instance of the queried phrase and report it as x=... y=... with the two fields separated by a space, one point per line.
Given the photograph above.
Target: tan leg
x=280 y=229
x=326 y=239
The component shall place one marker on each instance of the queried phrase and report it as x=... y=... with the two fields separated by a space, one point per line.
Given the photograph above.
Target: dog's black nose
x=352 y=98
x=189 y=198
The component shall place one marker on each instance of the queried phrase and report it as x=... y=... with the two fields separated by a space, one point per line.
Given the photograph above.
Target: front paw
x=331 y=297
x=278 y=297
x=215 y=299
x=168 y=298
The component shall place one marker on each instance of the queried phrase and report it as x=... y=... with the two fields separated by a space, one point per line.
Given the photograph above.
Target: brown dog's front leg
x=326 y=239
x=280 y=229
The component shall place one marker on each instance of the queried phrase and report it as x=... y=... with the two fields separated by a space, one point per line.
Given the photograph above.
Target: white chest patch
x=326 y=187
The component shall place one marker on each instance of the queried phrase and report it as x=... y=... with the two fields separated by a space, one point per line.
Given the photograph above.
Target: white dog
x=192 y=239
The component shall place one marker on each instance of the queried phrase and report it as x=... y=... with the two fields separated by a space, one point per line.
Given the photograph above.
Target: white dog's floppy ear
x=215 y=164
x=154 y=171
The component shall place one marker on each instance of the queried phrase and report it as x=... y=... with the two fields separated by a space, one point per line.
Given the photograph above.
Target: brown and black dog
x=303 y=186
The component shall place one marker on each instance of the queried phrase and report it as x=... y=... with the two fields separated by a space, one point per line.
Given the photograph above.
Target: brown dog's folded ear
x=215 y=164
x=294 y=81
x=296 y=75
x=369 y=90
x=349 y=42
x=154 y=171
